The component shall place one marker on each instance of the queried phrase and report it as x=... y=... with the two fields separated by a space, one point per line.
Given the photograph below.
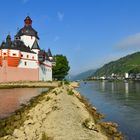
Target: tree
x=60 y=70
x=135 y=70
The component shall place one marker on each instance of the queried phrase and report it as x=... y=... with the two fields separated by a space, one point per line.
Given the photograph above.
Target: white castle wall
x=4 y=52
x=45 y=72
x=28 y=60
x=45 y=69
x=28 y=64
x=35 y=50
x=28 y=40
x=14 y=53
x=27 y=55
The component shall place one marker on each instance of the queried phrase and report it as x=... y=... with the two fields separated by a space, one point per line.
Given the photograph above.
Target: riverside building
x=22 y=59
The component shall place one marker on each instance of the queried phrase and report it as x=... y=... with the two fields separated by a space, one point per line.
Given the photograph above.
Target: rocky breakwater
x=60 y=114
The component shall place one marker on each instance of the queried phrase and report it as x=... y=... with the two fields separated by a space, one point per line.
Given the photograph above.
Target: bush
x=66 y=82
x=70 y=92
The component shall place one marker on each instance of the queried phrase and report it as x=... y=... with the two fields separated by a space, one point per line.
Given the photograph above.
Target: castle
x=22 y=59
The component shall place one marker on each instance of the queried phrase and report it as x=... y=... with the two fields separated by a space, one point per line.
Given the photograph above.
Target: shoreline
x=54 y=107
x=114 y=80
x=29 y=84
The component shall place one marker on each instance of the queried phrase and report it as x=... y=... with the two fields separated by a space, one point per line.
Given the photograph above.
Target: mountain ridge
x=126 y=64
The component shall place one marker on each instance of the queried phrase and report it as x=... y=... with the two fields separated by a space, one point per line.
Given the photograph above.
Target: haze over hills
x=129 y=63
x=83 y=75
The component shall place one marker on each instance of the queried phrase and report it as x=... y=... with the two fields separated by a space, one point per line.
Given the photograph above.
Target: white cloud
x=60 y=16
x=130 y=42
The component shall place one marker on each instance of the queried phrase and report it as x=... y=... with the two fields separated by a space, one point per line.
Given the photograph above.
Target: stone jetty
x=60 y=114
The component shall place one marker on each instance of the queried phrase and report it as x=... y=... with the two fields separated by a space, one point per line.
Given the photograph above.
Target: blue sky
x=89 y=32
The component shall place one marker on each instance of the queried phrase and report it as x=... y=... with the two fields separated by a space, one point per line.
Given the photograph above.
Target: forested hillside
x=129 y=63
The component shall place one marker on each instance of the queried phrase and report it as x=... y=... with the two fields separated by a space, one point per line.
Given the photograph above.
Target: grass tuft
x=48 y=98
x=45 y=137
x=70 y=92
x=66 y=82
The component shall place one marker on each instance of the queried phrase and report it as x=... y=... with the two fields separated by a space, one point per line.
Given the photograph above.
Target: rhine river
x=119 y=101
x=11 y=99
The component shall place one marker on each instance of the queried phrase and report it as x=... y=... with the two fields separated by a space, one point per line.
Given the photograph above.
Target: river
x=119 y=101
x=11 y=99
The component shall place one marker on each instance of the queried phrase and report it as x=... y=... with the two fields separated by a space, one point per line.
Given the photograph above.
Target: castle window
x=27 y=56
x=14 y=54
x=25 y=63
x=33 y=57
x=21 y=55
x=4 y=53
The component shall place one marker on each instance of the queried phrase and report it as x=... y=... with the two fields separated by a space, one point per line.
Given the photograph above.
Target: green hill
x=129 y=63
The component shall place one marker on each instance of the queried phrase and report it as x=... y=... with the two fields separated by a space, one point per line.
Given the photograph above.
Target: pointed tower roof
x=27 y=29
x=8 y=41
x=28 y=21
x=2 y=46
x=8 y=37
x=49 y=53
x=47 y=57
x=35 y=46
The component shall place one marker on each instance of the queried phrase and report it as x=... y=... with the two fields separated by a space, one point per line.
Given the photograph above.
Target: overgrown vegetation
x=111 y=130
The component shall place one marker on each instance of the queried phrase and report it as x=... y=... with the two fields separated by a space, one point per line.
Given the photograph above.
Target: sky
x=89 y=32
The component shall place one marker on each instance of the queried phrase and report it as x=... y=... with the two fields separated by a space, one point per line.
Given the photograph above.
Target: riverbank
x=29 y=84
x=60 y=114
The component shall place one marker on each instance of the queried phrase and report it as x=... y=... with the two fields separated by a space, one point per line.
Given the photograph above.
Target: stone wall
x=8 y=74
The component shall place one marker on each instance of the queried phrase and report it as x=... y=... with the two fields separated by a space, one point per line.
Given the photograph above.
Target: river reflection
x=11 y=99
x=119 y=101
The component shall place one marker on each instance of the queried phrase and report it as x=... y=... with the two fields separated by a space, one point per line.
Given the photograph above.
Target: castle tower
x=28 y=35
